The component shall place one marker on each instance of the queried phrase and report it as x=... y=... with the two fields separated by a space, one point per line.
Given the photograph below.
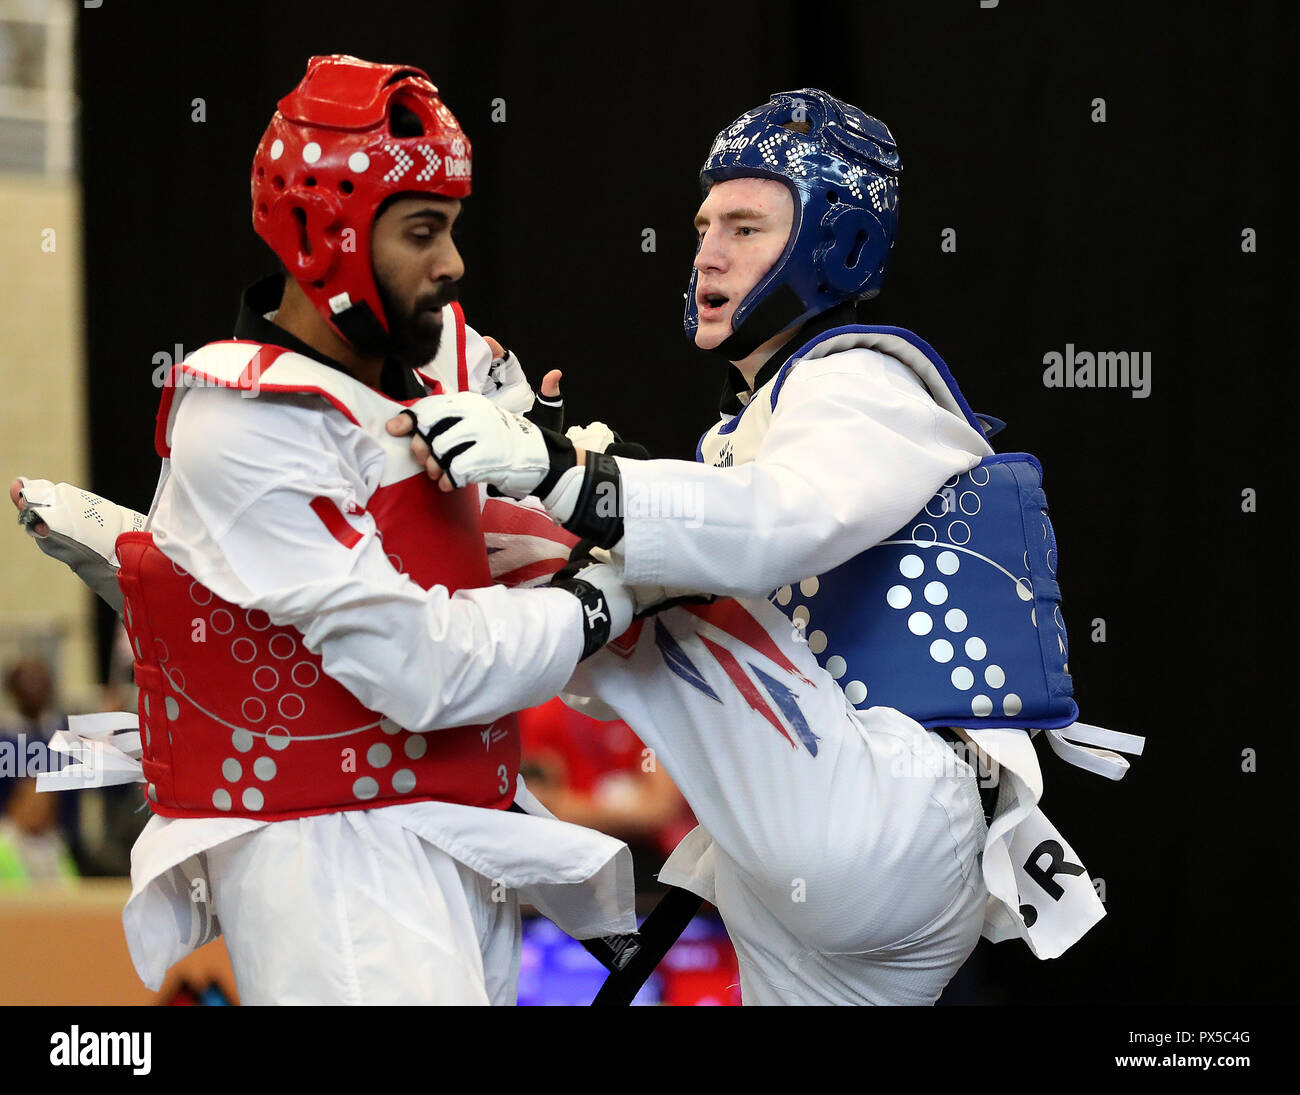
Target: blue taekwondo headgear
x=843 y=175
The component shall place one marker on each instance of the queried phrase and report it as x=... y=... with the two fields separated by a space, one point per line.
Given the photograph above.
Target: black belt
x=988 y=787
x=658 y=932
x=631 y=958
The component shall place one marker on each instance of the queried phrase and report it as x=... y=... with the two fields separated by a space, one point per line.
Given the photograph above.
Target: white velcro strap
x=105 y=748
x=1100 y=760
x=618 y=597
x=102 y=724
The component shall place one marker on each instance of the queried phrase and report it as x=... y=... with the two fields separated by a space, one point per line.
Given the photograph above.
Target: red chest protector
x=244 y=722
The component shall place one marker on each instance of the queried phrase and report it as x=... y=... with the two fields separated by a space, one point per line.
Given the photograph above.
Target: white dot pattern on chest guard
x=921 y=573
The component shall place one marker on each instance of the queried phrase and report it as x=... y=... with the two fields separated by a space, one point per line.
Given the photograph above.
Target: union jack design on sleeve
x=732 y=619
x=525 y=547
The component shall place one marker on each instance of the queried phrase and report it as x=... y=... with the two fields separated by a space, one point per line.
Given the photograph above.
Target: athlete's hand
x=508 y=387
x=464 y=438
x=594 y=437
x=607 y=602
x=548 y=408
x=38 y=527
x=551 y=384
x=77 y=528
x=550 y=388
x=646 y=600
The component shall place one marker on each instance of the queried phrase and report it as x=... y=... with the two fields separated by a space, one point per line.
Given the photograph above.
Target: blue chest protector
x=955 y=619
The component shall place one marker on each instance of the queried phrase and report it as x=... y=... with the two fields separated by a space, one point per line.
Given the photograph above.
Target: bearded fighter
x=327 y=673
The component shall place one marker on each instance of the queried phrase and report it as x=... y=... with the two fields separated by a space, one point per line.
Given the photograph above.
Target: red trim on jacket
x=332 y=518
x=462 y=366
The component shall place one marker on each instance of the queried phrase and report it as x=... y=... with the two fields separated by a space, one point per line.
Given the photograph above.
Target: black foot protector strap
x=661 y=929
x=611 y=951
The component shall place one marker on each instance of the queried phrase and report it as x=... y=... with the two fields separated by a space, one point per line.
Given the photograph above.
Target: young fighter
x=844 y=843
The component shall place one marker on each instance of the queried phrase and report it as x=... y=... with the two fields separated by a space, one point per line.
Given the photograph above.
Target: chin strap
x=360 y=328
x=770 y=316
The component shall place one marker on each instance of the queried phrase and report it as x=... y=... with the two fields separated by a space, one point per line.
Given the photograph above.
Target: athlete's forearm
x=430 y=661
x=845 y=463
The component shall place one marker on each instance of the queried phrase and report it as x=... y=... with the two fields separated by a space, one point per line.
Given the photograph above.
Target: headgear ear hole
x=300 y=218
x=403 y=121
x=403 y=74
x=855 y=252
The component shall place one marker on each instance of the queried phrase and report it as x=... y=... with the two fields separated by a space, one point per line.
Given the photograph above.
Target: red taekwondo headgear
x=349 y=136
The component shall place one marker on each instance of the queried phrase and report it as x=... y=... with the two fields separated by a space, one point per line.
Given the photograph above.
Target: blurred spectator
x=120 y=692
x=37 y=832
x=32 y=848
x=121 y=808
x=600 y=775
x=22 y=45
x=86 y=832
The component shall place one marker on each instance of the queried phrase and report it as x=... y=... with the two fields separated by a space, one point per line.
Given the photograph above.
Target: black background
x=1117 y=236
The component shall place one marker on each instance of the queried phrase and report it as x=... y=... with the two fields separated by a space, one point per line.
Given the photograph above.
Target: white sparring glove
x=83 y=531
x=507 y=386
x=474 y=441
